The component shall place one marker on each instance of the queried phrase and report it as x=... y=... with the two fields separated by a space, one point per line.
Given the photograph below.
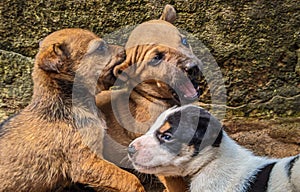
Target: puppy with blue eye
x=160 y=70
x=158 y=55
x=188 y=141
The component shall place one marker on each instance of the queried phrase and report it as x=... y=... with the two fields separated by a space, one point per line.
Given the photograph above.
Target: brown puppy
x=57 y=139
x=158 y=59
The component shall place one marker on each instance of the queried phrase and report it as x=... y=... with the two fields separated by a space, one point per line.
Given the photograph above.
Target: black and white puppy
x=189 y=141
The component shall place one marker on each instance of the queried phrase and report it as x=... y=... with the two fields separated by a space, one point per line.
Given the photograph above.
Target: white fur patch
x=227 y=168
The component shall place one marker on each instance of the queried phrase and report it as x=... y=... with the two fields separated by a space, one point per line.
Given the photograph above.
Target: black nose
x=193 y=71
x=131 y=150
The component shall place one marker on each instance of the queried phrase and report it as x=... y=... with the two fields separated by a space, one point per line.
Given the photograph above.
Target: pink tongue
x=188 y=89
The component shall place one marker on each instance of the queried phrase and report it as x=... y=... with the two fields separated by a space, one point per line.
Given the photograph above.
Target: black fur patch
x=189 y=126
x=200 y=132
x=290 y=165
x=218 y=139
x=174 y=119
x=260 y=183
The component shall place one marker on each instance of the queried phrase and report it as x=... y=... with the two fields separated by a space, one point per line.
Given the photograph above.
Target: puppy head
x=66 y=52
x=59 y=50
x=158 y=54
x=178 y=136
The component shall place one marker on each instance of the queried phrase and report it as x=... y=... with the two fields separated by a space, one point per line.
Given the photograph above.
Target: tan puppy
x=57 y=139
x=156 y=74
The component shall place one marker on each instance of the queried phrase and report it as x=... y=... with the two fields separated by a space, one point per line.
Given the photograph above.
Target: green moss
x=256 y=43
x=15 y=82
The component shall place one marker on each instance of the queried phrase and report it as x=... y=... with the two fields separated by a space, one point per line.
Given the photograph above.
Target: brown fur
x=174 y=183
x=52 y=143
x=149 y=98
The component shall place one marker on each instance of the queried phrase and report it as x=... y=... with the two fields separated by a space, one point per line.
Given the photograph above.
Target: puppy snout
x=131 y=150
x=121 y=53
x=192 y=69
x=118 y=50
x=189 y=66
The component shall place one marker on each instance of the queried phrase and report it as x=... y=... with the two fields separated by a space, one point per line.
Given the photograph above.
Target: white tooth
x=158 y=84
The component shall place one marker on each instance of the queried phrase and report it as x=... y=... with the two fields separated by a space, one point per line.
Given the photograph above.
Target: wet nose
x=131 y=150
x=193 y=70
x=189 y=66
x=193 y=65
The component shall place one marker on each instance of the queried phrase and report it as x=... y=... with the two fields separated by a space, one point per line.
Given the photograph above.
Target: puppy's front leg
x=89 y=169
x=174 y=184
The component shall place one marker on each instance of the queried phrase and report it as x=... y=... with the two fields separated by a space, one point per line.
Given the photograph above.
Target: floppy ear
x=169 y=14
x=52 y=58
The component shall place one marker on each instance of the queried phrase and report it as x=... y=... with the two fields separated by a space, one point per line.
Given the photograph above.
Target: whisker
x=125 y=161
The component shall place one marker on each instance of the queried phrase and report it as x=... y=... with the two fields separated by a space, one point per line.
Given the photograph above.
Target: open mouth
x=188 y=89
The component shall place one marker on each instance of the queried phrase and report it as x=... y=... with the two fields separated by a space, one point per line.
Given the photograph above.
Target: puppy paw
x=139 y=188
x=136 y=185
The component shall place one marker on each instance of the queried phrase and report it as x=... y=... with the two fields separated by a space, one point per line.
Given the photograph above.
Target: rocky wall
x=255 y=43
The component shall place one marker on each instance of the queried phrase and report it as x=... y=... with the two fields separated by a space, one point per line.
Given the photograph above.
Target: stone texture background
x=256 y=44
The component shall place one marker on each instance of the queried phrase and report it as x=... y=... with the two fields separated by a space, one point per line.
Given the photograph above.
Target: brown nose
x=131 y=150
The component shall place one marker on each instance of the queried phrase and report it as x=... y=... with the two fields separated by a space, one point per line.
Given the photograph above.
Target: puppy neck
x=155 y=95
x=223 y=168
x=53 y=98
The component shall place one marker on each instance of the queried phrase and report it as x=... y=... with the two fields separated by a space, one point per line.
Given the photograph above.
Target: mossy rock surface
x=15 y=82
x=255 y=43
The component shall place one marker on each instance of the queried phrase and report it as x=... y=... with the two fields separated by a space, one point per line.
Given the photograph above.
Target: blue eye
x=184 y=41
x=166 y=136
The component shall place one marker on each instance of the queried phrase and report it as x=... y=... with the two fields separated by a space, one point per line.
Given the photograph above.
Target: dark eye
x=166 y=136
x=157 y=59
x=184 y=41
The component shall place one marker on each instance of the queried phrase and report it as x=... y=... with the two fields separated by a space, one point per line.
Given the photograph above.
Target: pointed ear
x=52 y=58
x=169 y=14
